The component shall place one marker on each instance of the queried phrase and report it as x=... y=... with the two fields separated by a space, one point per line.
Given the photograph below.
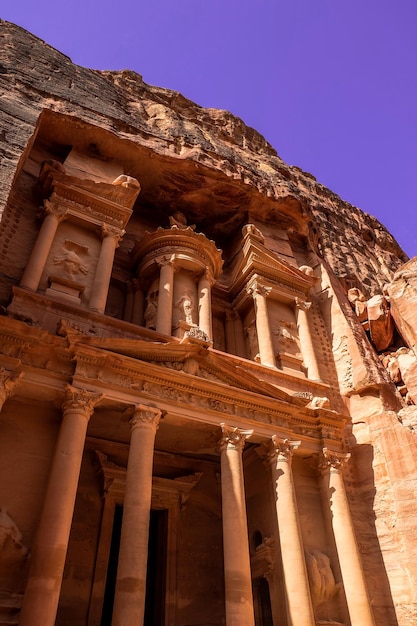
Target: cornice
x=187 y=393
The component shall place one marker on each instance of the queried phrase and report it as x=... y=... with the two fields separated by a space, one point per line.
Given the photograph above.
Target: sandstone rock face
x=37 y=77
x=197 y=332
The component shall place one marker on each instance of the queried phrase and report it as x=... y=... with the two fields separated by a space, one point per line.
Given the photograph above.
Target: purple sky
x=331 y=84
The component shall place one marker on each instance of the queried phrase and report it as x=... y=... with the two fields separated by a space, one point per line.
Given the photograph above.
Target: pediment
x=188 y=360
x=255 y=258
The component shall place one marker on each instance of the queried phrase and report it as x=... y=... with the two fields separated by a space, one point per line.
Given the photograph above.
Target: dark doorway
x=262 y=602
x=156 y=574
x=108 y=600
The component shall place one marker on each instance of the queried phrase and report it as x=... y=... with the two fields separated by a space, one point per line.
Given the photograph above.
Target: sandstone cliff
x=226 y=175
x=35 y=77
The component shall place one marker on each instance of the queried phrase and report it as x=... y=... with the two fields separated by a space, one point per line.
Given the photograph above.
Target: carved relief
x=322 y=584
x=286 y=334
x=233 y=438
x=70 y=260
x=151 y=310
x=252 y=341
x=185 y=308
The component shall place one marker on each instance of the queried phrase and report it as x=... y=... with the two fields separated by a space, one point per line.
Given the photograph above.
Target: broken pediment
x=254 y=258
x=190 y=359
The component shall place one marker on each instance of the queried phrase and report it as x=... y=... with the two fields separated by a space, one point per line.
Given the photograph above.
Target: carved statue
x=71 y=263
x=252 y=338
x=186 y=308
x=322 y=582
x=286 y=337
x=178 y=220
x=151 y=310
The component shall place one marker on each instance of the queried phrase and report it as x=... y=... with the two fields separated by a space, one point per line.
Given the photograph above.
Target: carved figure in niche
x=70 y=259
x=71 y=263
x=179 y=220
x=151 y=310
x=322 y=583
x=252 y=341
x=186 y=308
x=287 y=340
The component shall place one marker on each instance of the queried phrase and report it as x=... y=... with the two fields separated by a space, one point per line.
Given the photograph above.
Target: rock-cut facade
x=208 y=375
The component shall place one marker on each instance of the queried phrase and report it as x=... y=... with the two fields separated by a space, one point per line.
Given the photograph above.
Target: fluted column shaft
x=49 y=550
x=306 y=339
x=165 y=295
x=40 y=251
x=100 y=287
x=204 y=295
x=347 y=549
x=129 y=599
x=300 y=609
x=263 y=329
x=237 y=573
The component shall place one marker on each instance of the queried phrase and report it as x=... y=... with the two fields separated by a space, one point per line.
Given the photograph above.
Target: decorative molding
x=233 y=438
x=80 y=400
x=333 y=460
x=144 y=417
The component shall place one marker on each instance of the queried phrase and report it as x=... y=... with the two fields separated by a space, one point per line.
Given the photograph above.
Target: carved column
x=165 y=295
x=350 y=564
x=8 y=382
x=49 y=550
x=306 y=340
x=54 y=214
x=237 y=572
x=300 y=608
x=263 y=329
x=204 y=296
x=129 y=599
x=100 y=287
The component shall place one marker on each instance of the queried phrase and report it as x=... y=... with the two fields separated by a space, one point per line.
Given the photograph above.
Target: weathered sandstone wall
x=233 y=168
x=35 y=77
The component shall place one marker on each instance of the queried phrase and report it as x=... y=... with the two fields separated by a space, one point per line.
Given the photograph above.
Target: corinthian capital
x=80 y=401
x=256 y=289
x=233 y=438
x=53 y=208
x=282 y=449
x=303 y=305
x=8 y=382
x=145 y=417
x=111 y=231
x=333 y=460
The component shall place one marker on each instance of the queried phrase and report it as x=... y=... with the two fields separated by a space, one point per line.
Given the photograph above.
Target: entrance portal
x=156 y=572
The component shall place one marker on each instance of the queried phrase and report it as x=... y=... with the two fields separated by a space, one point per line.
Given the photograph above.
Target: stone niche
x=175 y=270
x=86 y=204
